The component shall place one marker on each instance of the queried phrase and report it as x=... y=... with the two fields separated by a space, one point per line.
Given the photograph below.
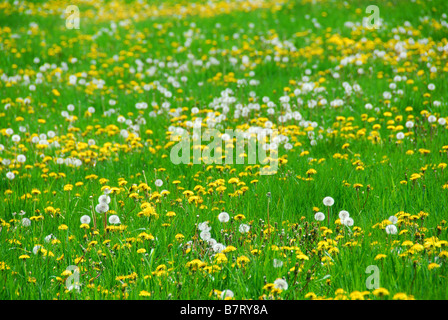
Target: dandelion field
x=93 y=207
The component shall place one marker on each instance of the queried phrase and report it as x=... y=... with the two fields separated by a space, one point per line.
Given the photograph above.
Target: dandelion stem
x=93 y=213
x=367 y=197
x=269 y=225
x=357 y=195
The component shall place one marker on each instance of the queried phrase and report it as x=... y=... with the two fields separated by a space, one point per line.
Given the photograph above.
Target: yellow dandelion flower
x=311 y=295
x=144 y=293
x=229 y=249
x=239 y=217
x=380 y=292
x=179 y=237
x=400 y=296
x=433 y=266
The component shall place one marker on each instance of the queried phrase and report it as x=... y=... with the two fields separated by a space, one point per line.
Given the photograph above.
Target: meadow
x=94 y=100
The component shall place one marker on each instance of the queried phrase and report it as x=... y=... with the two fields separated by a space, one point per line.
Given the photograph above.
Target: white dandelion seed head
x=387 y=95
x=15 y=138
x=203 y=226
x=391 y=229
x=218 y=247
x=158 y=183
x=85 y=219
x=104 y=198
x=393 y=219
x=211 y=242
x=75 y=286
x=205 y=235
x=26 y=222
x=21 y=158
x=227 y=294
x=48 y=238
x=223 y=217
x=343 y=214
x=244 y=228
x=225 y=137
x=347 y=222
x=278 y=263
x=124 y=133
x=400 y=136
x=10 y=175
x=114 y=219
x=319 y=216
x=36 y=249
x=288 y=146
x=102 y=207
x=328 y=201
x=280 y=284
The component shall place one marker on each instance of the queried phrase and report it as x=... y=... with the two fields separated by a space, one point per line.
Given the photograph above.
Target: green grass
x=381 y=166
